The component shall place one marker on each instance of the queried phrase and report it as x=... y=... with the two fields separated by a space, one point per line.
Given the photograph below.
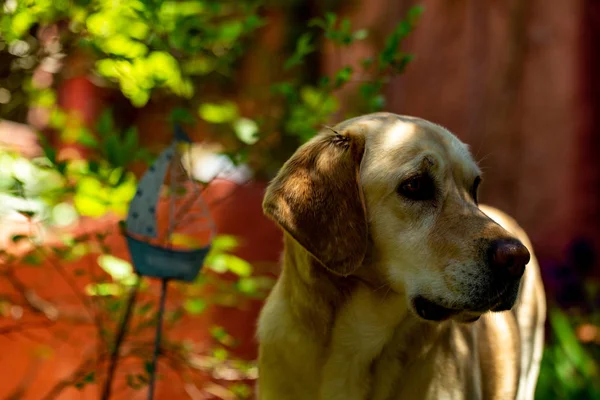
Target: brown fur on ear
x=317 y=199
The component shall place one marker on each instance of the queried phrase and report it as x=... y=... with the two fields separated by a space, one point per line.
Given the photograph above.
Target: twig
x=25 y=325
x=39 y=305
x=76 y=376
x=21 y=389
x=84 y=301
x=114 y=356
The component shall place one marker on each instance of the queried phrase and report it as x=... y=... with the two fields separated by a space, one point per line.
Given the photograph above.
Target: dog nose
x=508 y=256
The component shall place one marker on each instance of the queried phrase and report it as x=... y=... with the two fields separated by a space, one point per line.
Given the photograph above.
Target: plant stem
x=114 y=356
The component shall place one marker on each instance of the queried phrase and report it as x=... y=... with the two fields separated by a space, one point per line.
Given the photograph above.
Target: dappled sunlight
x=399 y=133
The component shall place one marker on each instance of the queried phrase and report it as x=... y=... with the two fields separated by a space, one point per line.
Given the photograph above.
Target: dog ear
x=318 y=200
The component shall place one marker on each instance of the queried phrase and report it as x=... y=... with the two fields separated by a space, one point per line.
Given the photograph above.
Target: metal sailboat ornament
x=152 y=251
x=155 y=252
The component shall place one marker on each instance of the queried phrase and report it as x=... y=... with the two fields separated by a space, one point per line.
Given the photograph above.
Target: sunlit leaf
x=218 y=113
x=220 y=354
x=222 y=336
x=120 y=45
x=238 y=265
x=246 y=130
x=247 y=285
x=119 y=269
x=86 y=138
x=223 y=243
x=360 y=34
x=304 y=47
x=217 y=262
x=64 y=214
x=194 y=306
x=570 y=345
x=230 y=31
x=105 y=124
x=21 y=23
x=181 y=115
x=103 y=289
x=32 y=259
x=148 y=367
x=91 y=198
x=18 y=238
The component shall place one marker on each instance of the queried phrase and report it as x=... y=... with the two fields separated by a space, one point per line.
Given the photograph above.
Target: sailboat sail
x=164 y=260
x=141 y=219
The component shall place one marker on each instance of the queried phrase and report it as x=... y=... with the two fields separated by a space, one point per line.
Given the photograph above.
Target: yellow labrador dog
x=396 y=284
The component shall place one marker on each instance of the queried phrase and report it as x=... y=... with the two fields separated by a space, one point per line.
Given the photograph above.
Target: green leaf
x=181 y=115
x=130 y=142
x=345 y=26
x=105 y=123
x=119 y=269
x=121 y=45
x=246 y=130
x=148 y=367
x=64 y=214
x=247 y=285
x=220 y=354
x=238 y=265
x=86 y=138
x=304 y=47
x=175 y=316
x=330 y=19
x=113 y=150
x=18 y=238
x=89 y=206
x=223 y=243
x=218 y=113
x=217 y=262
x=230 y=31
x=32 y=259
x=27 y=213
x=570 y=345
x=218 y=332
x=90 y=377
x=91 y=197
x=241 y=390
x=103 y=289
x=343 y=76
x=194 y=306
x=360 y=34
x=21 y=22
x=414 y=14
x=49 y=150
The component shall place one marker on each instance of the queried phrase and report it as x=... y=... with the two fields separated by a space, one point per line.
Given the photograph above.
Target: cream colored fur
x=341 y=325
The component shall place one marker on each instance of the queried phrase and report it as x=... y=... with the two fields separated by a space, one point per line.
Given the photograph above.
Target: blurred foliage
x=571 y=361
x=190 y=51
x=142 y=45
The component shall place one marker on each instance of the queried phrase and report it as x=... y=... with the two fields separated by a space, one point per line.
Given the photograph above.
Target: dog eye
x=419 y=187
x=475 y=189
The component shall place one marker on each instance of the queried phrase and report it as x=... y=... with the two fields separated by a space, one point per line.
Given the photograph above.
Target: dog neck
x=318 y=302
x=313 y=293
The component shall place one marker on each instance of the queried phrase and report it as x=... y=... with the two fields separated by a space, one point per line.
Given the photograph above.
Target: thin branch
x=114 y=357
x=84 y=301
x=5 y=330
x=21 y=389
x=86 y=365
x=39 y=305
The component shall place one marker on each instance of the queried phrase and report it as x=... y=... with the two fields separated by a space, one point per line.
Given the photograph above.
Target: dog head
x=403 y=191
